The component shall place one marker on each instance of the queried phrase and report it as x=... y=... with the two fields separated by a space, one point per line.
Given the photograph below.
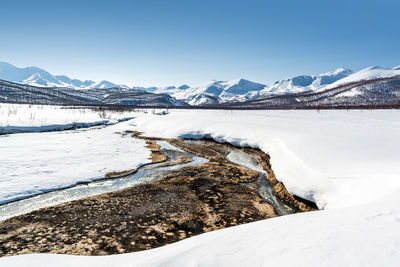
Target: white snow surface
x=33 y=163
x=363 y=236
x=335 y=158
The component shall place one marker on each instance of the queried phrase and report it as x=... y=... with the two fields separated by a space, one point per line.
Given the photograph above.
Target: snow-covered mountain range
x=369 y=88
x=213 y=92
x=39 y=77
x=241 y=90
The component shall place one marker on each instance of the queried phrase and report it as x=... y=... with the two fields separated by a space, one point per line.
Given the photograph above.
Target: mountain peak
x=6 y=64
x=184 y=86
x=337 y=71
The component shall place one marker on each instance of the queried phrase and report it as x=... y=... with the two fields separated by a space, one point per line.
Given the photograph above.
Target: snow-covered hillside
x=39 y=77
x=306 y=83
x=366 y=74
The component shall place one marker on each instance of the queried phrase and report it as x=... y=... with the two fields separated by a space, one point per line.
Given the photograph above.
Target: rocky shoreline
x=181 y=204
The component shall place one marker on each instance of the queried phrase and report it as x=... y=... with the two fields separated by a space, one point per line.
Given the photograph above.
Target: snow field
x=347 y=161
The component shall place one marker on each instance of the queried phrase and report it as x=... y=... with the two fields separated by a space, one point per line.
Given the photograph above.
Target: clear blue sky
x=174 y=42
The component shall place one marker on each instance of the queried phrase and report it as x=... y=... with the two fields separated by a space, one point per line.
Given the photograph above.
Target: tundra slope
x=26 y=94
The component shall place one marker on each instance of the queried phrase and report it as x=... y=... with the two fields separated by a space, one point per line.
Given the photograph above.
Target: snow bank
x=49 y=128
x=20 y=116
x=336 y=158
x=362 y=236
x=34 y=163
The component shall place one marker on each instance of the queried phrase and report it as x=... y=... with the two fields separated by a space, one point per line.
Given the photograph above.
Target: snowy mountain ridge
x=213 y=92
x=306 y=83
x=39 y=77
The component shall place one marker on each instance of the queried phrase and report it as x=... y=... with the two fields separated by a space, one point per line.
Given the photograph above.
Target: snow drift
x=335 y=158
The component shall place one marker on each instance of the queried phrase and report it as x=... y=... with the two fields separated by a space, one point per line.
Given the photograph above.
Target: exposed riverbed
x=199 y=186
